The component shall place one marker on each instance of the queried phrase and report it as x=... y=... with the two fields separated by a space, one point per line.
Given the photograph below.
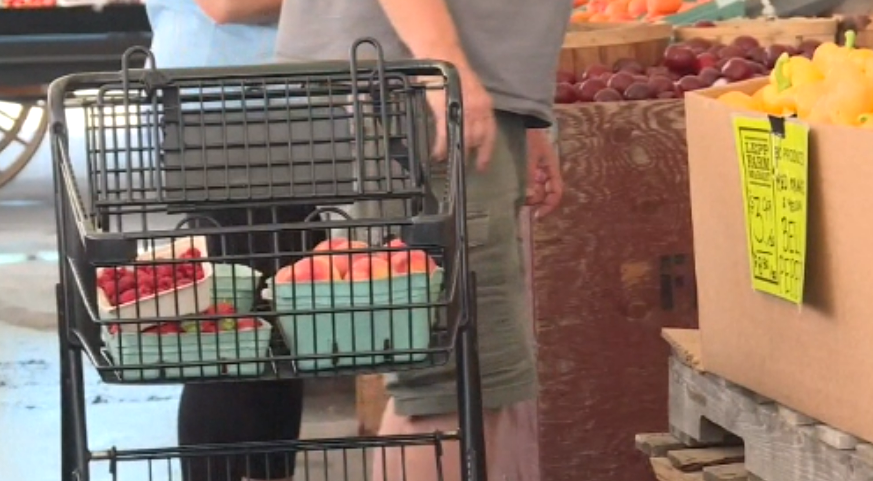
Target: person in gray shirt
x=506 y=52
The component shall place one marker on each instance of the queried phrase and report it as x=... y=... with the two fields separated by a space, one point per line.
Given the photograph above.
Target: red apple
x=608 y=95
x=587 y=90
x=709 y=75
x=746 y=42
x=737 y=69
x=565 y=93
x=620 y=81
x=689 y=83
x=660 y=83
x=639 y=91
x=566 y=77
x=680 y=59
x=595 y=70
x=706 y=60
x=628 y=65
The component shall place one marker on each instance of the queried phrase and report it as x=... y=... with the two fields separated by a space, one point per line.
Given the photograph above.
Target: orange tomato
x=579 y=3
x=598 y=18
x=580 y=16
x=663 y=7
x=596 y=6
x=637 y=8
x=616 y=8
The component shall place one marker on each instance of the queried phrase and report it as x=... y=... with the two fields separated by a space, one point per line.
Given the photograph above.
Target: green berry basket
x=236 y=285
x=136 y=351
x=381 y=324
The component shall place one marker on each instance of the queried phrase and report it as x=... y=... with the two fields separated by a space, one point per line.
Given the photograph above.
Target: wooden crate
x=861 y=24
x=589 y=44
x=787 y=31
x=780 y=444
x=611 y=268
x=674 y=460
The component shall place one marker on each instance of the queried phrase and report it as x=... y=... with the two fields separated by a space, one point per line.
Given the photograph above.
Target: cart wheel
x=22 y=128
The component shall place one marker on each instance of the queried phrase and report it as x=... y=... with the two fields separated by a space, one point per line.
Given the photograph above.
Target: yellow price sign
x=774 y=166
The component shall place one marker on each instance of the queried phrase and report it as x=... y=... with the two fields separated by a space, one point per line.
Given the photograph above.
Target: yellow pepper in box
x=806 y=96
x=740 y=100
x=773 y=96
x=848 y=93
x=829 y=54
x=798 y=70
x=866 y=121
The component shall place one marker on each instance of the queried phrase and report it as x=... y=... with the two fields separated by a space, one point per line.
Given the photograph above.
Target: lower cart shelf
x=348 y=459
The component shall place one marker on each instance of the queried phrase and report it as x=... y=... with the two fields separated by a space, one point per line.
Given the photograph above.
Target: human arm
x=241 y=11
x=545 y=184
x=427 y=29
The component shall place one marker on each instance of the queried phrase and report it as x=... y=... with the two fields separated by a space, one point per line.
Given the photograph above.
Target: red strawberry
x=145 y=290
x=164 y=270
x=185 y=270
x=126 y=283
x=145 y=279
x=145 y=270
x=198 y=272
x=225 y=308
x=127 y=296
x=208 y=327
x=109 y=289
x=111 y=273
x=192 y=253
x=164 y=328
x=165 y=284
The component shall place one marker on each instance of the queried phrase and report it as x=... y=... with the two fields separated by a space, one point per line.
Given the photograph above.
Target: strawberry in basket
x=123 y=285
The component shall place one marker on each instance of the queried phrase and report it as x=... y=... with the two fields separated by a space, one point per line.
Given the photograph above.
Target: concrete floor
x=123 y=417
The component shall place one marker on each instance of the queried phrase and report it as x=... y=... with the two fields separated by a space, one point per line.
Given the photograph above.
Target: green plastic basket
x=236 y=285
x=383 y=325
x=133 y=349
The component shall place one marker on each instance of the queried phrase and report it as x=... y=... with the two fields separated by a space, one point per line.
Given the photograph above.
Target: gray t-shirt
x=513 y=45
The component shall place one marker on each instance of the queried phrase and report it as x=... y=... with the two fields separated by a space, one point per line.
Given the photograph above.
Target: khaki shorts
x=494 y=199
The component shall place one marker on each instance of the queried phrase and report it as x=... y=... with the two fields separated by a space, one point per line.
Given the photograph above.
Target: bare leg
x=419 y=463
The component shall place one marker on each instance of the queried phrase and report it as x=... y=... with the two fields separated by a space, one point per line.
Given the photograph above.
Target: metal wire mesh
x=318 y=460
x=261 y=223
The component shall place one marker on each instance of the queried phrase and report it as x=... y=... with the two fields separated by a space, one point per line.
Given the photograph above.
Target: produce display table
x=611 y=268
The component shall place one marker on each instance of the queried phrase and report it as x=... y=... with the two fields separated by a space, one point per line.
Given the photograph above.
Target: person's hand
x=545 y=184
x=480 y=128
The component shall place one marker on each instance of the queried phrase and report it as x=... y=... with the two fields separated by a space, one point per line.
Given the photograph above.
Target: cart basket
x=267 y=221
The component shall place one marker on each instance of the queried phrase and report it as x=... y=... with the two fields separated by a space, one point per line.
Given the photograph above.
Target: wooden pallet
x=674 y=460
x=780 y=444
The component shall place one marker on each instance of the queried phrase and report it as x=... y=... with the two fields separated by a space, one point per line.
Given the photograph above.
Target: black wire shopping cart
x=179 y=262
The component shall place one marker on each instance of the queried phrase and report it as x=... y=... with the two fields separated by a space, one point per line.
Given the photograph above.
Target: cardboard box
x=816 y=358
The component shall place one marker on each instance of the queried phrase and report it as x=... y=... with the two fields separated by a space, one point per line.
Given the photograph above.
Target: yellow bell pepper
x=829 y=54
x=806 y=96
x=865 y=121
x=772 y=97
x=847 y=94
x=863 y=58
x=740 y=100
x=798 y=70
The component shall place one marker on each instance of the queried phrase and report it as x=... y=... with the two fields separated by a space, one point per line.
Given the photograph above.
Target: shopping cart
x=179 y=261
